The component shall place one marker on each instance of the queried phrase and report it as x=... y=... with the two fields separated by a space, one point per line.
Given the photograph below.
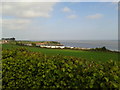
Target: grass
x=98 y=56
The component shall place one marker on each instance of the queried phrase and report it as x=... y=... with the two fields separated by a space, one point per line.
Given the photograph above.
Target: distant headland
x=48 y=44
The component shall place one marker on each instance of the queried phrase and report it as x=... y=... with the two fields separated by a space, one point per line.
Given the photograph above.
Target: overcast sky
x=60 y=20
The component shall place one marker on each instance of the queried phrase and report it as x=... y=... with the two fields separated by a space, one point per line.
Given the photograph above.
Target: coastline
x=59 y=45
x=109 y=44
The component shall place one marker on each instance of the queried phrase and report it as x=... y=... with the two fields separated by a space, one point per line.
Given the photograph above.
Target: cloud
x=30 y=0
x=72 y=16
x=0 y=27
x=95 y=16
x=15 y=24
x=114 y=3
x=27 y=9
x=66 y=9
x=60 y=0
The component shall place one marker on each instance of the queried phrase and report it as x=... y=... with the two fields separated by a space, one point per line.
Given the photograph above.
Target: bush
x=103 y=48
x=24 y=69
x=100 y=49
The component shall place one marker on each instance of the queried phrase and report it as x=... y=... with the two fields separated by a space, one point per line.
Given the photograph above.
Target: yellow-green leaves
x=25 y=69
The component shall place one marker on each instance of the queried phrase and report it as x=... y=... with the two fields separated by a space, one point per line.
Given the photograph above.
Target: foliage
x=33 y=44
x=100 y=49
x=24 y=69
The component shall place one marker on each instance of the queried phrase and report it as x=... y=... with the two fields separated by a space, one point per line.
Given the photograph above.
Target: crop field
x=98 y=56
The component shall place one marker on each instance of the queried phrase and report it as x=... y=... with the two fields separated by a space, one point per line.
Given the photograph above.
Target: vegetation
x=100 y=49
x=13 y=39
x=98 y=56
x=33 y=44
x=25 y=69
x=47 y=42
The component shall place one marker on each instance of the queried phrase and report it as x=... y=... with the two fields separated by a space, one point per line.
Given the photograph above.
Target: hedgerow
x=25 y=69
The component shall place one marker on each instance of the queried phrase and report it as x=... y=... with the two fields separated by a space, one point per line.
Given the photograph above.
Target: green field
x=98 y=56
x=34 y=67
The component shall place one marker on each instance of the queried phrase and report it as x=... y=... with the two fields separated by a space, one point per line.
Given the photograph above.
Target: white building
x=28 y=44
x=53 y=46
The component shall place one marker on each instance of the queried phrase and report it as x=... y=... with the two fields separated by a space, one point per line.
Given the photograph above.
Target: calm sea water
x=109 y=44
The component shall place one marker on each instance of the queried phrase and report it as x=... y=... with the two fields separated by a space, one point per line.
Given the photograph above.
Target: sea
x=109 y=44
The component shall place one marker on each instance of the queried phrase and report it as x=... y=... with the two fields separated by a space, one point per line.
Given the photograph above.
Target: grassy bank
x=98 y=56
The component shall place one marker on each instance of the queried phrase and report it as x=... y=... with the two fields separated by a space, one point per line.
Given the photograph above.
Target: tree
x=104 y=48
x=33 y=44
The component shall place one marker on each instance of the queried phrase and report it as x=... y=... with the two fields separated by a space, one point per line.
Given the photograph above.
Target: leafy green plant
x=24 y=69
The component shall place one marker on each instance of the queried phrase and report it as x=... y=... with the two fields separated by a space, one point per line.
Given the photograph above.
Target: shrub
x=24 y=69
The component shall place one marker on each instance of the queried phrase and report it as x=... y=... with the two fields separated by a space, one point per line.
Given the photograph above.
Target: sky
x=60 y=20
